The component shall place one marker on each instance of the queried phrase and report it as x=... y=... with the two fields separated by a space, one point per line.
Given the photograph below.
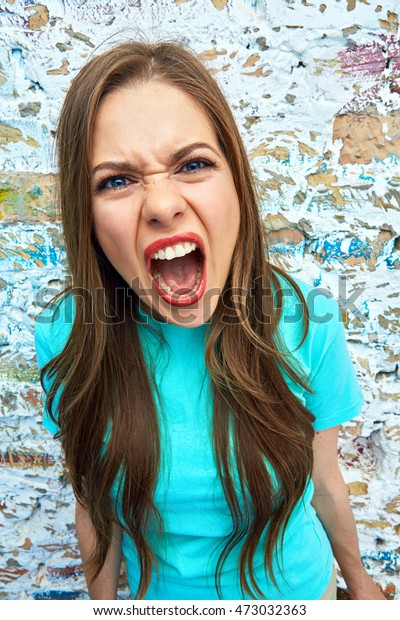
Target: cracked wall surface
x=315 y=89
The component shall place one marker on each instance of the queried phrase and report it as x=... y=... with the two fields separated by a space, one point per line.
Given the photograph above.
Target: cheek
x=221 y=208
x=114 y=232
x=224 y=223
x=227 y=219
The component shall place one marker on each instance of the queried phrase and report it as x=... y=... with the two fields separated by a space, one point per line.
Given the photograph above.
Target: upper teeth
x=175 y=251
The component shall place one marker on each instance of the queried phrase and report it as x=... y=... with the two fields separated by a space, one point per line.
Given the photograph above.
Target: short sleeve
x=44 y=355
x=337 y=394
x=322 y=359
x=52 y=329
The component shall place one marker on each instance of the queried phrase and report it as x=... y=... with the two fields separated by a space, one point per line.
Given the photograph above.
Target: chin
x=186 y=316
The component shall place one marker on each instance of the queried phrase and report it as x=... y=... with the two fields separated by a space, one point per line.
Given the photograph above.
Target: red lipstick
x=166 y=241
x=154 y=265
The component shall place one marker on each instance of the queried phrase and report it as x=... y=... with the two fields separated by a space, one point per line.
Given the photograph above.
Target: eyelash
x=208 y=164
x=101 y=185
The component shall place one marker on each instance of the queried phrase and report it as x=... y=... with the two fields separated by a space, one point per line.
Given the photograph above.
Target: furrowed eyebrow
x=118 y=166
x=186 y=150
x=174 y=158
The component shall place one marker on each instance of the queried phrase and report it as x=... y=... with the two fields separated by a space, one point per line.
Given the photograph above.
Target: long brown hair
x=102 y=359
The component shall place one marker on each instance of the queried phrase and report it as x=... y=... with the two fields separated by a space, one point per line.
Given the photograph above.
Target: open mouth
x=177 y=268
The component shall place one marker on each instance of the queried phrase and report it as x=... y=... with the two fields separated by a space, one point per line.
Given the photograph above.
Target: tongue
x=180 y=274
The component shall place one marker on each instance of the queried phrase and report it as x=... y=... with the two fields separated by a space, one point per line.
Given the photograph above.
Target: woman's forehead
x=148 y=120
x=146 y=98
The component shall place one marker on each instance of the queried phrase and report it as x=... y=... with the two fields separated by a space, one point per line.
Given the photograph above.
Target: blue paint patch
x=364 y=309
x=317 y=281
x=58 y=595
x=390 y=559
x=366 y=177
x=20 y=257
x=359 y=248
x=16 y=55
x=392 y=262
x=387 y=254
x=35 y=191
x=319 y=204
x=330 y=249
x=288 y=249
x=54 y=255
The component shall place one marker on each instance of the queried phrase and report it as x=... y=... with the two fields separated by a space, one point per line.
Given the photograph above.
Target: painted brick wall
x=315 y=88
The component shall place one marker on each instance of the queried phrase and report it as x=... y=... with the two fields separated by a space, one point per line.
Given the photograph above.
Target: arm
x=332 y=505
x=104 y=587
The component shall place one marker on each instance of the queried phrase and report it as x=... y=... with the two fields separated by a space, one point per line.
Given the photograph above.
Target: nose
x=162 y=203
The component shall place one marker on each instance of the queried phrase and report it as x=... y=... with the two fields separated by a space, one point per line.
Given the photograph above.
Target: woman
x=201 y=386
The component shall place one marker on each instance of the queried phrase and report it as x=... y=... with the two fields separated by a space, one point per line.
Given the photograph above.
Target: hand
x=367 y=590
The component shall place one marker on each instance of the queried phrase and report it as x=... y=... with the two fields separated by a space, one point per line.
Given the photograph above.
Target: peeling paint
x=357 y=488
x=220 y=4
x=391 y=23
x=327 y=180
x=366 y=137
x=10 y=134
x=63 y=70
x=319 y=115
x=20 y=249
x=211 y=54
x=79 y=36
x=25 y=460
x=280 y=153
x=38 y=19
x=27 y=196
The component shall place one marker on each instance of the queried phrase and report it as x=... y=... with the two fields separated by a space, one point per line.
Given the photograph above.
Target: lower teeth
x=158 y=277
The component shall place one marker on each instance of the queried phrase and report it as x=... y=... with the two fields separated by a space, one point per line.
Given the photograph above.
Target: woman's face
x=165 y=208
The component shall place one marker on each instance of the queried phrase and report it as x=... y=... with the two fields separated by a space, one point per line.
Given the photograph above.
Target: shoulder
x=320 y=302
x=324 y=320
x=53 y=327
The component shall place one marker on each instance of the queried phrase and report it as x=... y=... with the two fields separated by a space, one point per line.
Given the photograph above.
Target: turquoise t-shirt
x=189 y=494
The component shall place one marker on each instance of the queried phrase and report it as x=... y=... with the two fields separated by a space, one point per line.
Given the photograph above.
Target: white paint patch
x=277 y=64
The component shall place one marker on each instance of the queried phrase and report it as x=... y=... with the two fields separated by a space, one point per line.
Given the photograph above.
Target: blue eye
x=196 y=164
x=116 y=183
x=112 y=184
